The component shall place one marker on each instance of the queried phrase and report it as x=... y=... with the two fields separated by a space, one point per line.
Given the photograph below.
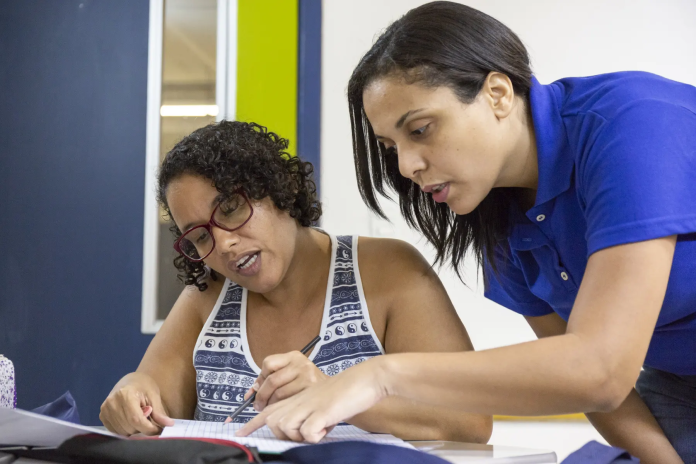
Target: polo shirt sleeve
x=508 y=288
x=637 y=178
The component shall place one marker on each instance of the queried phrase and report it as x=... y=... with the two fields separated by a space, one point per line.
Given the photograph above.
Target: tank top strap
x=348 y=335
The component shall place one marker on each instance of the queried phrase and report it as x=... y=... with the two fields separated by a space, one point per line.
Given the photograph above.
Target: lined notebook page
x=265 y=441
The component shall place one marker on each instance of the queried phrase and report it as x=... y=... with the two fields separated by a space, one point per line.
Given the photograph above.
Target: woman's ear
x=499 y=93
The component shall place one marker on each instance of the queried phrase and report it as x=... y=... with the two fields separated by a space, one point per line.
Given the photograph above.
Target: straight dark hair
x=438 y=44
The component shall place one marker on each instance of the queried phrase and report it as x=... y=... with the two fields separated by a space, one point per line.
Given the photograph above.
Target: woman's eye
x=391 y=150
x=230 y=206
x=203 y=238
x=420 y=130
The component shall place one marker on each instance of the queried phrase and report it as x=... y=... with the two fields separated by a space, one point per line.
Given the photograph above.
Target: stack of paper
x=264 y=440
x=26 y=428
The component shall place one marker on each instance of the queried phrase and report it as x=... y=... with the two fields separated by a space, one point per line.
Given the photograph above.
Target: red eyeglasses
x=230 y=214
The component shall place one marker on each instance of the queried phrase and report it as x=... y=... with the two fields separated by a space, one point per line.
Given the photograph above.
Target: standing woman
x=579 y=200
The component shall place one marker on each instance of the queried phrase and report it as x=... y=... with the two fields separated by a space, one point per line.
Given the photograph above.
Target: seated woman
x=261 y=283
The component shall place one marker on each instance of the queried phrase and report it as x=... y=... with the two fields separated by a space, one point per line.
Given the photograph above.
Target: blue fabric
x=672 y=400
x=64 y=408
x=596 y=453
x=617 y=164
x=358 y=452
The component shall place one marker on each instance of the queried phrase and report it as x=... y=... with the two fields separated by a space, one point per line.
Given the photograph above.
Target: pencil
x=251 y=399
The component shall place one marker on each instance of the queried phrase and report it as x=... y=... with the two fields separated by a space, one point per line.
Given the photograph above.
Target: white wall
x=564 y=38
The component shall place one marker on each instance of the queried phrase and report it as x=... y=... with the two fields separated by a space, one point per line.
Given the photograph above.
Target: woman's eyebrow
x=213 y=204
x=190 y=225
x=402 y=119
x=187 y=227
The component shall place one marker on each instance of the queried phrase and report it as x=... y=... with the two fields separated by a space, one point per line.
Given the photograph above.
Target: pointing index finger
x=252 y=426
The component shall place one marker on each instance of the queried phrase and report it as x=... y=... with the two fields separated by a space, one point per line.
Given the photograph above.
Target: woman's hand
x=125 y=410
x=283 y=376
x=310 y=415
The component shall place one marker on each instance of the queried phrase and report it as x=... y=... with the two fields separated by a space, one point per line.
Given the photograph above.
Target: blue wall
x=309 y=84
x=73 y=76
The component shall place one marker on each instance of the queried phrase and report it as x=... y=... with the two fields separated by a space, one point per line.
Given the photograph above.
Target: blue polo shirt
x=617 y=164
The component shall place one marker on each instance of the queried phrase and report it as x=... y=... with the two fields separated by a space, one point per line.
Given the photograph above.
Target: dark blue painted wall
x=73 y=76
x=309 y=84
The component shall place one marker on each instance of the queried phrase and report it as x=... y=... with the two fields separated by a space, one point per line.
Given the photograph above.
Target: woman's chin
x=461 y=208
x=259 y=284
x=462 y=205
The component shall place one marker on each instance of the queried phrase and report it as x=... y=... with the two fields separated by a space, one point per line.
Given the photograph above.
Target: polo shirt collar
x=555 y=160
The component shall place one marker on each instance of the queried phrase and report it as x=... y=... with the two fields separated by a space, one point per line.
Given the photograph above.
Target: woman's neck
x=530 y=170
x=521 y=169
x=305 y=280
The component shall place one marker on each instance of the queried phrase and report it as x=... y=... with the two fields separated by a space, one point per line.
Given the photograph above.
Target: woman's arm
x=165 y=379
x=168 y=359
x=631 y=426
x=419 y=318
x=592 y=367
x=409 y=310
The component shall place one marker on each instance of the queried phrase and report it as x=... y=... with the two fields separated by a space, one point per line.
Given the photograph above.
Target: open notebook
x=264 y=440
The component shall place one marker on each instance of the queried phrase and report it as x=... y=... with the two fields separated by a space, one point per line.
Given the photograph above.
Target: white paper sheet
x=265 y=441
x=26 y=428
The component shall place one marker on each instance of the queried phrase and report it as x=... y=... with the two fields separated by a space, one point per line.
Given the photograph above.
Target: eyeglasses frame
x=209 y=227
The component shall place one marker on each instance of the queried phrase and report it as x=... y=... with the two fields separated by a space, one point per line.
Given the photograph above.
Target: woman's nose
x=411 y=163
x=225 y=240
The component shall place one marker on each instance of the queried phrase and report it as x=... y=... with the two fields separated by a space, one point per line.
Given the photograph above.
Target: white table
x=456 y=452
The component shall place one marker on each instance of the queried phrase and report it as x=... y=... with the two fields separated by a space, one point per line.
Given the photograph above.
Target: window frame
x=225 y=96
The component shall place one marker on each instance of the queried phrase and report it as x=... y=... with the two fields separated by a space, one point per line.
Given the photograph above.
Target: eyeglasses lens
x=196 y=243
x=232 y=212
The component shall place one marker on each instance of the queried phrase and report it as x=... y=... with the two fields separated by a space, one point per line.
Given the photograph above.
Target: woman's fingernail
x=255 y=387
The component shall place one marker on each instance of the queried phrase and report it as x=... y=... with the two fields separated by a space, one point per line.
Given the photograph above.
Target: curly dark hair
x=239 y=155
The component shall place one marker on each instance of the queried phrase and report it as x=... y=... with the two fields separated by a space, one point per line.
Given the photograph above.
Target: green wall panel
x=267 y=65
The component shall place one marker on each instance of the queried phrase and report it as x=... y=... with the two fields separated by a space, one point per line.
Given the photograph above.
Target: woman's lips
x=441 y=196
x=250 y=266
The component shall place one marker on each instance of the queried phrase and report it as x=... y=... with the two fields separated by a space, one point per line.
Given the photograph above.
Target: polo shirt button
x=540 y=217
x=564 y=276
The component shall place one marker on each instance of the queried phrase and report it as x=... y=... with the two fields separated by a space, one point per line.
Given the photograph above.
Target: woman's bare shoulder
x=399 y=282
x=387 y=264
x=192 y=300
x=391 y=254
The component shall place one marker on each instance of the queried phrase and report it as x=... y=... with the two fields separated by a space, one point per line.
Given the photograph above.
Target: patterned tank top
x=225 y=369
